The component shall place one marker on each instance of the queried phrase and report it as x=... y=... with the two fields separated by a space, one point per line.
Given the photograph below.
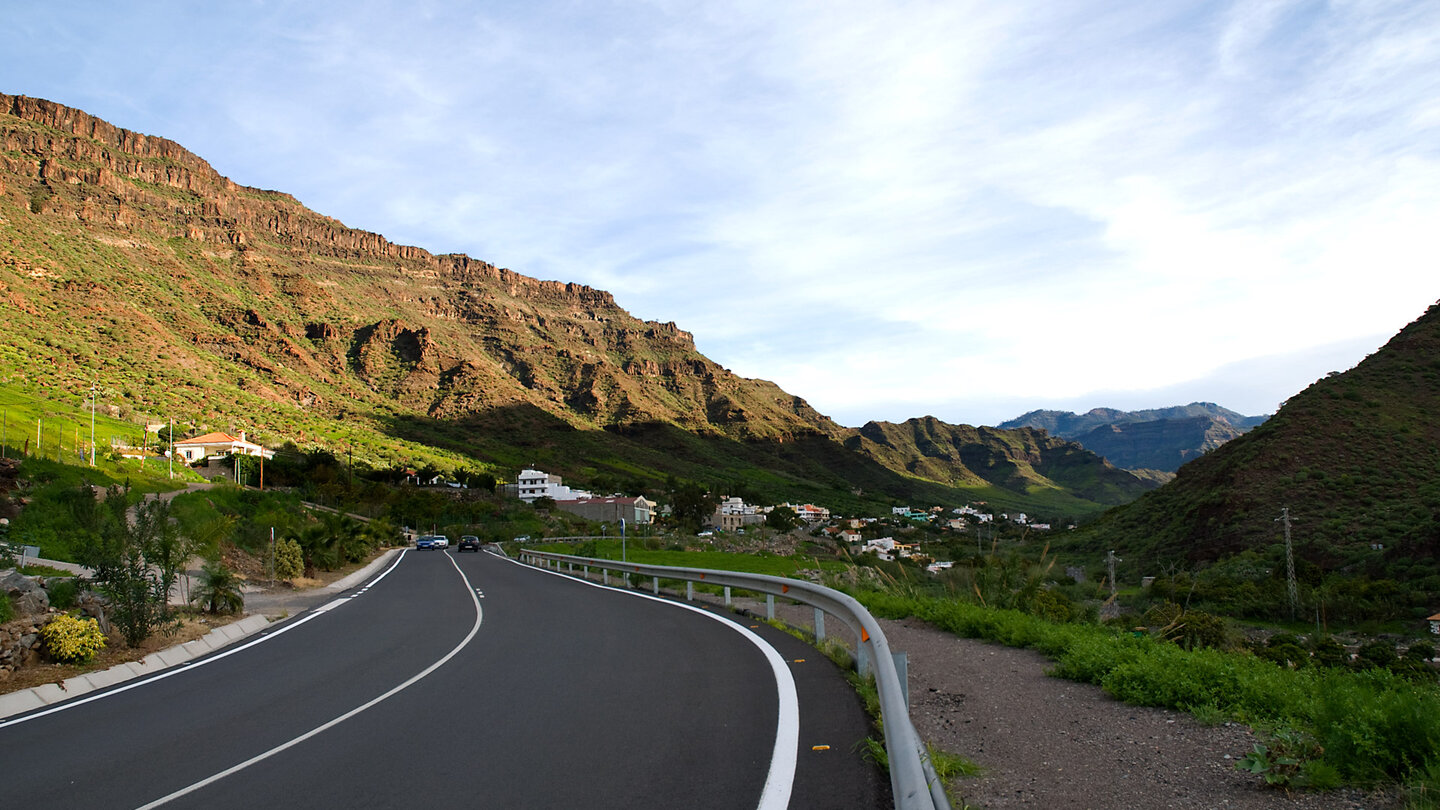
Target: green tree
x=115 y=549
x=691 y=505
x=781 y=519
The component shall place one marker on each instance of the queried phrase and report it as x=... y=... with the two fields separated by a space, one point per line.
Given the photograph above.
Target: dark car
x=468 y=542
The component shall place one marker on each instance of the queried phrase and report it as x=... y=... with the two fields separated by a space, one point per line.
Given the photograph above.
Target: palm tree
x=218 y=590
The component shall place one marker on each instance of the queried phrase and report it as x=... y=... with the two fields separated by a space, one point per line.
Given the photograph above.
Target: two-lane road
x=448 y=680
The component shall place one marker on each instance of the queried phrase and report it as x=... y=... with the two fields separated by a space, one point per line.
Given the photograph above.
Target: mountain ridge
x=130 y=261
x=1159 y=439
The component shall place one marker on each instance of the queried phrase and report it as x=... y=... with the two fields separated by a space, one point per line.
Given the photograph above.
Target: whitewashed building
x=532 y=484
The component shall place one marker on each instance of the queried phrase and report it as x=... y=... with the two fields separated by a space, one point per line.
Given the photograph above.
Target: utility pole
x=92 y=423
x=1289 y=563
x=1110 y=561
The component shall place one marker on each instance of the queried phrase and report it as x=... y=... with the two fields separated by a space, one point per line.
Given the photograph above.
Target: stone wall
x=20 y=642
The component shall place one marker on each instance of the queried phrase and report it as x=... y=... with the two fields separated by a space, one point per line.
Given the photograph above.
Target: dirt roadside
x=1052 y=743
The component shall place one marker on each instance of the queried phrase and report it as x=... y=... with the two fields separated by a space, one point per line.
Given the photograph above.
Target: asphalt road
x=465 y=680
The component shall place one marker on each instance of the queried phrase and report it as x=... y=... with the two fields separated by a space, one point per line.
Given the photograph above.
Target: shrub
x=63 y=593
x=289 y=559
x=72 y=640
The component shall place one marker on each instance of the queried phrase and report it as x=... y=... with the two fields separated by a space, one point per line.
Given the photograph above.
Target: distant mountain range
x=129 y=263
x=1157 y=439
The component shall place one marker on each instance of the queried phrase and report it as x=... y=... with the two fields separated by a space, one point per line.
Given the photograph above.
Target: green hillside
x=1355 y=458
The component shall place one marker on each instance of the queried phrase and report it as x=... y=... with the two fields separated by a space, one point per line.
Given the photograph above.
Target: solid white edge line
x=479 y=616
x=780 y=781
x=190 y=666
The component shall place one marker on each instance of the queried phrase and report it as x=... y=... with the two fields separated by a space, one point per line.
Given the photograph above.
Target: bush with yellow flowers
x=71 y=639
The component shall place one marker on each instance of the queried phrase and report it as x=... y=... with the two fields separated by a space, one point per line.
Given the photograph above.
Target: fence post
x=819 y=625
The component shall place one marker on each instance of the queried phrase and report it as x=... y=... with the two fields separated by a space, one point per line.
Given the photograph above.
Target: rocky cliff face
x=326 y=316
x=127 y=261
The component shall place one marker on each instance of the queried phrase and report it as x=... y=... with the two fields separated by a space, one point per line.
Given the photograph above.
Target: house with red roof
x=218 y=445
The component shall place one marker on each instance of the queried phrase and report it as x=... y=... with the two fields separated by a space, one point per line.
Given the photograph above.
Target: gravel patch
x=1050 y=742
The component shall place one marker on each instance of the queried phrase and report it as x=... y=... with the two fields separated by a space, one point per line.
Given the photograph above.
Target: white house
x=809 y=512
x=215 y=445
x=533 y=484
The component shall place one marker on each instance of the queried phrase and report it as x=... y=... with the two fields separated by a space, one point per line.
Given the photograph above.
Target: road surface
x=465 y=680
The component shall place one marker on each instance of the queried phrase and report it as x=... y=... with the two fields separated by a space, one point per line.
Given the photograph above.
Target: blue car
x=429 y=541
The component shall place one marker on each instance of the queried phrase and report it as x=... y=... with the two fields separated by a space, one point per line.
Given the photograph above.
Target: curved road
x=461 y=680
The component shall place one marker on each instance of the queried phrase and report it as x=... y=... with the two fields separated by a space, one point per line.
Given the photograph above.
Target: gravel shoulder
x=1044 y=741
x=1048 y=742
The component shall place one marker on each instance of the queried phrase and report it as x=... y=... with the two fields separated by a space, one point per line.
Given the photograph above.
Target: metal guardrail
x=912 y=776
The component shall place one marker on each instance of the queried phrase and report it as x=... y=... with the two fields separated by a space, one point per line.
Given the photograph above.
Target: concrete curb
x=47 y=694
x=351 y=580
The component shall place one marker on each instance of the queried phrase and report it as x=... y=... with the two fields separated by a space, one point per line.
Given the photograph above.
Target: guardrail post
x=689 y=591
x=727 y=596
x=902 y=668
x=819 y=625
x=586 y=568
x=655 y=585
x=605 y=572
x=770 y=606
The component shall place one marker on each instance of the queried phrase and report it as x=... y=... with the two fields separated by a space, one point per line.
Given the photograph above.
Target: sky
x=967 y=210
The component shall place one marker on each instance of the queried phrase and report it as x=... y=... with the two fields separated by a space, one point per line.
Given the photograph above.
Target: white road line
x=190 y=666
x=781 y=778
x=185 y=791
